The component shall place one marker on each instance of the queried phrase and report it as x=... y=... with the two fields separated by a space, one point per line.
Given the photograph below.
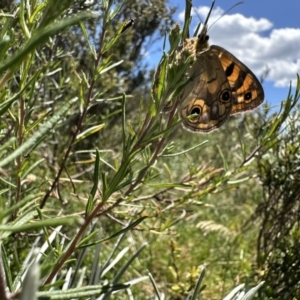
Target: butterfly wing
x=246 y=89
x=206 y=101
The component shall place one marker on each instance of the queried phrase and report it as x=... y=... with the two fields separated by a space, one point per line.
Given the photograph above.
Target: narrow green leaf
x=25 y=171
x=91 y=200
x=87 y=40
x=128 y=263
x=232 y=294
x=102 y=71
x=198 y=284
x=36 y=11
x=36 y=123
x=7 y=104
x=85 y=241
x=71 y=220
x=89 y=132
x=238 y=180
x=104 y=186
x=225 y=164
x=159 y=81
x=252 y=292
x=187 y=19
x=31 y=282
x=28 y=199
x=22 y=20
x=116 y=10
x=39 y=38
x=6 y=266
x=125 y=152
x=167 y=185
x=157 y=294
x=4 y=45
x=39 y=134
x=86 y=292
x=120 y=232
x=185 y=151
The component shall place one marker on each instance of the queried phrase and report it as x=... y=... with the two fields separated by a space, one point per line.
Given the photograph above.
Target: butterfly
x=219 y=86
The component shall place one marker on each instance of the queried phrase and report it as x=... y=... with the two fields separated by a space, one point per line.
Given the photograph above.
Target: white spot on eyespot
x=214 y=110
x=205 y=117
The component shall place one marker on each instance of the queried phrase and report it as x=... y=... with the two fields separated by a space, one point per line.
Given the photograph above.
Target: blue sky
x=261 y=33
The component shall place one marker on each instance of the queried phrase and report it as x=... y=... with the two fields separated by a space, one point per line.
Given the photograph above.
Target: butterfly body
x=219 y=85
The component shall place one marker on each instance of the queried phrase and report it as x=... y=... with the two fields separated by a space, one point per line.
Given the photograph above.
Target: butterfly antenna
x=228 y=10
x=208 y=15
x=207 y=18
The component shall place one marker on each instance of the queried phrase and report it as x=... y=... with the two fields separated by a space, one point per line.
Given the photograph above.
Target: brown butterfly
x=220 y=86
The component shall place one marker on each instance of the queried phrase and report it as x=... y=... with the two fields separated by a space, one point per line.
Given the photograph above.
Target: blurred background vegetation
x=111 y=191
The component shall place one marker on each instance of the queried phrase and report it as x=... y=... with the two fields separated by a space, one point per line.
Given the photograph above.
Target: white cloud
x=256 y=43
